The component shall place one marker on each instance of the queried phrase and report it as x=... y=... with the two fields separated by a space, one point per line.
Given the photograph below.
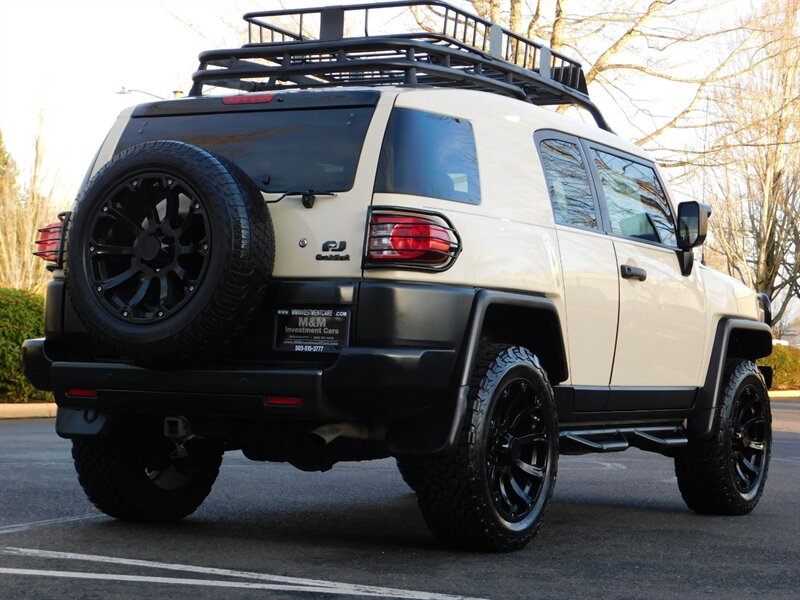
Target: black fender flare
x=438 y=431
x=735 y=338
x=556 y=366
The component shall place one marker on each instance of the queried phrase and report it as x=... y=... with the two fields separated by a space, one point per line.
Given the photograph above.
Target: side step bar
x=654 y=438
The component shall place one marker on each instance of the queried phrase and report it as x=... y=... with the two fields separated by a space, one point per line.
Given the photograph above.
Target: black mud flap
x=766 y=371
x=434 y=433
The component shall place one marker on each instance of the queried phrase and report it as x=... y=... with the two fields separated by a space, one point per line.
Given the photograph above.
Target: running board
x=653 y=438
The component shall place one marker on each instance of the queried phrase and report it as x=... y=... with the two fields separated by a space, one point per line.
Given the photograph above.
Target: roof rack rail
x=461 y=50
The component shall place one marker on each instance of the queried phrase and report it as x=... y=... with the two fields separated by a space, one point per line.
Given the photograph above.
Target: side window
x=568 y=184
x=637 y=206
x=432 y=155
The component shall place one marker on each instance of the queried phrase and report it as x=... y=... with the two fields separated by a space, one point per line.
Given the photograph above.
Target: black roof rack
x=465 y=51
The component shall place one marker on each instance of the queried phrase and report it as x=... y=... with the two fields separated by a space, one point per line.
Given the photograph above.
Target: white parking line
x=195 y=582
x=280 y=582
x=583 y=464
x=33 y=524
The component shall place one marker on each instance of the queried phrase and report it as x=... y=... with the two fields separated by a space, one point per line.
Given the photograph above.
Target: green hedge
x=21 y=317
x=785 y=361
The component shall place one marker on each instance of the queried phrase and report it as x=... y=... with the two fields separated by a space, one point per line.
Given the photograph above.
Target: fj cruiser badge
x=333 y=246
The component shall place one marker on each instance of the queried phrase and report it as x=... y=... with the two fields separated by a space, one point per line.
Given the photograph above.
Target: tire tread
x=116 y=483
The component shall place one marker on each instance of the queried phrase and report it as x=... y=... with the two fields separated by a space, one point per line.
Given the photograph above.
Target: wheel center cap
x=149 y=248
x=509 y=449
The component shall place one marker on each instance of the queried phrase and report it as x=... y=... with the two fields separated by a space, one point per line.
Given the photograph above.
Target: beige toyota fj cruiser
x=348 y=248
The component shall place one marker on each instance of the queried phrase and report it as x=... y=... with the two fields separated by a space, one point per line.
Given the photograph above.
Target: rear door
x=661 y=332
x=588 y=263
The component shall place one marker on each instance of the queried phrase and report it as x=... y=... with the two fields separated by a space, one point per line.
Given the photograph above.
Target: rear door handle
x=629 y=272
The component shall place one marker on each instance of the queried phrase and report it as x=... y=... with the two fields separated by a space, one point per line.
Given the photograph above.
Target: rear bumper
x=401 y=366
x=371 y=383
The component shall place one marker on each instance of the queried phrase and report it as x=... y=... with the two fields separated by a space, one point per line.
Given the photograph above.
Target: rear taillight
x=410 y=240
x=49 y=244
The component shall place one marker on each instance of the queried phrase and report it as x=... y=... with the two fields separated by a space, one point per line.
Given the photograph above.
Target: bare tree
x=787 y=327
x=8 y=168
x=633 y=46
x=23 y=209
x=754 y=159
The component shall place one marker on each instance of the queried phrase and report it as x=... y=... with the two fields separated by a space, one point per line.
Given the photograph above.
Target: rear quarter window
x=427 y=154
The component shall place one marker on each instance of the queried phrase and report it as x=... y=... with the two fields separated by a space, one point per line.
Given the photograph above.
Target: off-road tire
x=458 y=493
x=132 y=480
x=409 y=471
x=714 y=474
x=180 y=315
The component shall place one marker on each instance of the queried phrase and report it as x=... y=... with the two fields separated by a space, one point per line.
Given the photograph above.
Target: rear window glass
x=425 y=154
x=286 y=150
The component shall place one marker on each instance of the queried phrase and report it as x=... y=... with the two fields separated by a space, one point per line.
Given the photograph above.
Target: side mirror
x=692 y=224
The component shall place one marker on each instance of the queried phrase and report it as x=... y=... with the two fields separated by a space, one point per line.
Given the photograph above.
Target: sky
x=64 y=62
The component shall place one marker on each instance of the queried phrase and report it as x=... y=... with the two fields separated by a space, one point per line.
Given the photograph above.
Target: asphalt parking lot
x=617 y=528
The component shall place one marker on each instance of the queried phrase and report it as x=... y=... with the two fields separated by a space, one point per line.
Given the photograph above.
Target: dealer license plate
x=311 y=329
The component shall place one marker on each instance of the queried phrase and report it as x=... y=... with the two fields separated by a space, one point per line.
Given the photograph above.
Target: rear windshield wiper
x=307 y=197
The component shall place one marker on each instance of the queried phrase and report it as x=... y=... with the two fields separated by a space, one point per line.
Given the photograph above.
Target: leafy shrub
x=21 y=317
x=785 y=362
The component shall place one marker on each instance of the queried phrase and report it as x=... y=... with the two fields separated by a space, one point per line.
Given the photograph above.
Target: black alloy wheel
x=148 y=247
x=517 y=456
x=749 y=440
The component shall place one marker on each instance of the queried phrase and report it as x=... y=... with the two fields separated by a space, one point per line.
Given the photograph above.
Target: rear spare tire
x=169 y=252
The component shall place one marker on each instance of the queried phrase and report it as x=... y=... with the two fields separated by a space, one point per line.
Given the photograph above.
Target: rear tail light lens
x=49 y=244
x=410 y=240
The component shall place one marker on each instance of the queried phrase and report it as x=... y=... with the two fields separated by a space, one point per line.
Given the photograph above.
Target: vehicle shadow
x=392 y=521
